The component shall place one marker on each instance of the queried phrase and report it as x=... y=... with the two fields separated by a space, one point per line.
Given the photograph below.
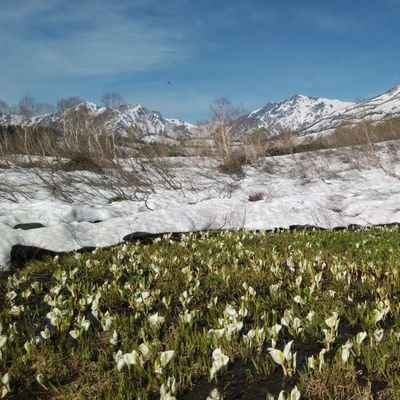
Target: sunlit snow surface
x=328 y=189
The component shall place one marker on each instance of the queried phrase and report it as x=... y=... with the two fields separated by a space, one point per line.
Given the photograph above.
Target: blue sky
x=251 y=52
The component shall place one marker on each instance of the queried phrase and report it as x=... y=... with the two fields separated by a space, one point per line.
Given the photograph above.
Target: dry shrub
x=284 y=143
x=118 y=168
x=255 y=145
x=336 y=383
x=81 y=162
x=347 y=134
x=365 y=132
x=15 y=140
x=233 y=163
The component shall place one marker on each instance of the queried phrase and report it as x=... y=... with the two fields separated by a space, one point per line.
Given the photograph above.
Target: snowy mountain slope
x=289 y=115
x=125 y=121
x=375 y=109
x=146 y=123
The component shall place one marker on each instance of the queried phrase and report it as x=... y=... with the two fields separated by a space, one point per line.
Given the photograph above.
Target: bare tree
x=64 y=104
x=223 y=115
x=112 y=100
x=44 y=108
x=27 y=106
x=4 y=108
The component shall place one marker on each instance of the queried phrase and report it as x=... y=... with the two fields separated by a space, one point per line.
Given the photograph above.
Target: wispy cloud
x=56 y=38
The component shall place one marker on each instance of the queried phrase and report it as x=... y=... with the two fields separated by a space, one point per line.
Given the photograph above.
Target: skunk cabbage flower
x=333 y=321
x=345 y=351
x=166 y=357
x=214 y=395
x=360 y=337
x=219 y=361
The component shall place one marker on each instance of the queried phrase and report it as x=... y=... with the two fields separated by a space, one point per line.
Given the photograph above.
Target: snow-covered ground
x=327 y=188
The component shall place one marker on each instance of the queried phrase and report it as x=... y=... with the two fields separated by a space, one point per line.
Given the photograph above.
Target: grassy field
x=311 y=315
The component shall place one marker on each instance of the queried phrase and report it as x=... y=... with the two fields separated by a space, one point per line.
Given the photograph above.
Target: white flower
x=298 y=299
x=295 y=394
x=230 y=312
x=333 y=321
x=187 y=317
x=232 y=329
x=83 y=323
x=132 y=358
x=274 y=330
x=345 y=351
x=17 y=310
x=317 y=278
x=243 y=311
x=378 y=335
x=213 y=302
x=321 y=357
x=360 y=337
x=166 y=357
x=165 y=395
x=106 y=321
x=55 y=316
x=277 y=356
x=156 y=320
x=119 y=359
x=114 y=339
x=141 y=297
x=11 y=296
x=311 y=362
x=3 y=340
x=310 y=316
x=168 y=390
x=248 y=338
x=45 y=334
x=126 y=359
x=5 y=380
x=219 y=361
x=377 y=315
x=286 y=351
x=75 y=333
x=40 y=380
x=297 y=325
x=214 y=395
x=216 y=332
x=144 y=349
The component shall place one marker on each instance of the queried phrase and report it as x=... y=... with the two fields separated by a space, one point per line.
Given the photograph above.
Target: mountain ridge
x=301 y=115
x=292 y=115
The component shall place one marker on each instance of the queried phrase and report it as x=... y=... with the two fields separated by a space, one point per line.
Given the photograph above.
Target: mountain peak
x=300 y=97
x=293 y=114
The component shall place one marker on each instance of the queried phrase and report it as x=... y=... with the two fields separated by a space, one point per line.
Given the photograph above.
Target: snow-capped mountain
x=126 y=120
x=376 y=109
x=292 y=115
x=144 y=122
x=301 y=115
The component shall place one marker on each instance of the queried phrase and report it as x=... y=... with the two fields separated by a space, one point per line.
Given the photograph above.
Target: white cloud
x=52 y=38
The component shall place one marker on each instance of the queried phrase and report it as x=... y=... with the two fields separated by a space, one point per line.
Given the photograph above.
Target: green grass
x=138 y=320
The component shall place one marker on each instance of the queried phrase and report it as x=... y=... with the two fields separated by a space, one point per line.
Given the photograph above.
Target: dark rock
x=29 y=225
x=20 y=255
x=148 y=238
x=339 y=228
x=305 y=228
